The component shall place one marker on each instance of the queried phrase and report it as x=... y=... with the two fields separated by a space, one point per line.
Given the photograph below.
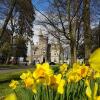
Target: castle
x=44 y=51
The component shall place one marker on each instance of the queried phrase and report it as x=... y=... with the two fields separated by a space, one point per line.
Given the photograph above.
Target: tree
x=5 y=50
x=62 y=24
x=86 y=29
x=20 y=46
x=18 y=17
x=24 y=7
x=5 y=47
x=96 y=37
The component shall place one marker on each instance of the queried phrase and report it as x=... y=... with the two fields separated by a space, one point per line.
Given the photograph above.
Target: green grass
x=12 y=74
x=5 y=89
x=11 y=66
x=5 y=79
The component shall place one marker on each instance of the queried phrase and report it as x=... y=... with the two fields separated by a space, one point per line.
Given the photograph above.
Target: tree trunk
x=73 y=52
x=72 y=29
x=86 y=29
x=7 y=19
x=99 y=36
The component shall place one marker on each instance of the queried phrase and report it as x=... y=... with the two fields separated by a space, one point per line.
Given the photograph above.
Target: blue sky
x=40 y=4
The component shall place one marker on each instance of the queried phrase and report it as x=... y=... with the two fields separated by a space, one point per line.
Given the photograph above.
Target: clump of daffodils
x=57 y=82
x=44 y=75
x=78 y=72
x=92 y=94
x=63 y=68
x=13 y=84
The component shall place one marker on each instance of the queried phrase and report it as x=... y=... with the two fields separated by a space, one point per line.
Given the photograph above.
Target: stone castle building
x=44 y=51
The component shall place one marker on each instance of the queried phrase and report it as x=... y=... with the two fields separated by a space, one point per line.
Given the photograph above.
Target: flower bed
x=80 y=82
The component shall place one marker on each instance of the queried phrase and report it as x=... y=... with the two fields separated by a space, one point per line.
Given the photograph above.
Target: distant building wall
x=48 y=52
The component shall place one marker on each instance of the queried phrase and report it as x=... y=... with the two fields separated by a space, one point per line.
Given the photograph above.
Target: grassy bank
x=5 y=89
x=6 y=77
x=11 y=66
x=12 y=74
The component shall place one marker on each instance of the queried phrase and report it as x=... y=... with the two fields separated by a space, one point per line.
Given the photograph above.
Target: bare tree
x=86 y=28
x=23 y=7
x=62 y=23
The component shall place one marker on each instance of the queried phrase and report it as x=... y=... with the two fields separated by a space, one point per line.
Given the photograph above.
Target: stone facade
x=39 y=50
x=55 y=53
x=43 y=51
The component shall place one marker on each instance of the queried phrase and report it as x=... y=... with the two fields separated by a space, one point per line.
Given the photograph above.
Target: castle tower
x=43 y=43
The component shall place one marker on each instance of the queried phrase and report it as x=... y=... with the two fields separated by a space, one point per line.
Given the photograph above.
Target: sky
x=40 y=4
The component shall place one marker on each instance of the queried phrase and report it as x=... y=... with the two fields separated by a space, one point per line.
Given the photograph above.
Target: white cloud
x=37 y=28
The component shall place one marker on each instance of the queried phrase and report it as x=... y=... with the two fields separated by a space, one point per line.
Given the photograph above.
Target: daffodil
x=61 y=86
x=34 y=90
x=92 y=95
x=98 y=98
x=13 y=84
x=76 y=66
x=95 y=60
x=63 y=68
x=97 y=75
x=11 y=96
x=61 y=83
x=26 y=75
x=83 y=70
x=76 y=73
x=27 y=78
x=29 y=82
x=57 y=82
x=89 y=92
x=87 y=82
x=42 y=72
x=90 y=72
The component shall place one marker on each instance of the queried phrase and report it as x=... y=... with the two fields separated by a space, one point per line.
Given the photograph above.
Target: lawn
x=5 y=79
x=12 y=74
x=5 y=89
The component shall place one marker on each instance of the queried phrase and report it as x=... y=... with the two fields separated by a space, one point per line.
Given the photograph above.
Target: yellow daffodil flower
x=83 y=70
x=76 y=73
x=11 y=96
x=23 y=76
x=26 y=75
x=98 y=98
x=13 y=84
x=61 y=86
x=34 y=89
x=60 y=83
x=76 y=66
x=95 y=60
x=58 y=78
x=90 y=72
x=88 y=92
x=97 y=75
x=29 y=82
x=57 y=82
x=87 y=82
x=42 y=72
x=52 y=81
x=93 y=95
x=27 y=78
x=63 y=68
